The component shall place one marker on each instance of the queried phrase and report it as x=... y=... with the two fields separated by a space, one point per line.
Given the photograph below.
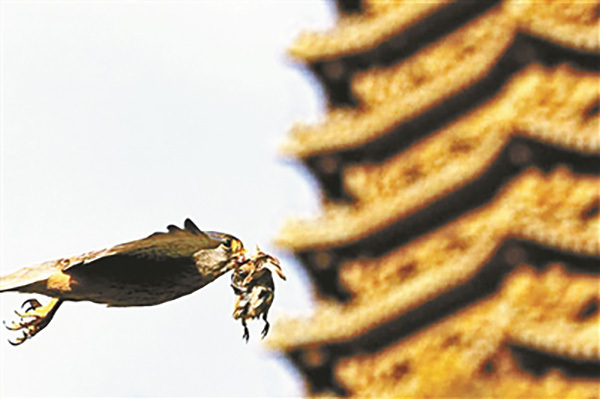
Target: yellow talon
x=25 y=315
x=13 y=326
x=33 y=303
x=35 y=319
x=18 y=341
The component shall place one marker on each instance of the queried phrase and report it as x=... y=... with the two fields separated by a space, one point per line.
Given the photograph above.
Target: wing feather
x=175 y=246
x=176 y=242
x=33 y=274
x=191 y=227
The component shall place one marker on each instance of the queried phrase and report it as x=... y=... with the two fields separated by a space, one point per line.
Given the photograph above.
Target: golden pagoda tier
x=457 y=251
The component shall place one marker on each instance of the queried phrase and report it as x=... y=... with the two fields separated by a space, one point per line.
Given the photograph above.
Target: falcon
x=253 y=286
x=149 y=271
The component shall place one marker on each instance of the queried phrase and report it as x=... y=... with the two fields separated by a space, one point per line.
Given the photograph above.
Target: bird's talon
x=19 y=340
x=13 y=327
x=33 y=304
x=31 y=301
x=28 y=330
x=26 y=315
x=35 y=319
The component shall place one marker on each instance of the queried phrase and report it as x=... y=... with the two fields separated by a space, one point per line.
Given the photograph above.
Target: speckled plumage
x=253 y=285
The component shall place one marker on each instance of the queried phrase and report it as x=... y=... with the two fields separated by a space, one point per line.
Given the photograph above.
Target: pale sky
x=119 y=118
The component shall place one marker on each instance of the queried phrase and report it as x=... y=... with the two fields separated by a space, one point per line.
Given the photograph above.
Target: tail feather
x=27 y=276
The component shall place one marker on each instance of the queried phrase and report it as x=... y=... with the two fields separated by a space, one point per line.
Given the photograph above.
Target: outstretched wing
x=176 y=247
x=175 y=244
x=29 y=275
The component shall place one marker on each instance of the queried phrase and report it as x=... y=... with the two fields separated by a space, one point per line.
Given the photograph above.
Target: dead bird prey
x=252 y=283
x=150 y=271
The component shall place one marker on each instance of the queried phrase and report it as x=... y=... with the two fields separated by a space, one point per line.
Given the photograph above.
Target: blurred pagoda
x=457 y=253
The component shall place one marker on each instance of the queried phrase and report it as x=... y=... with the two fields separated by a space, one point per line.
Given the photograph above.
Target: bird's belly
x=135 y=288
x=130 y=295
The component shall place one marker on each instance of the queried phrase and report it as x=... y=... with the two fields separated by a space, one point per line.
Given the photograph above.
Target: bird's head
x=229 y=244
x=266 y=261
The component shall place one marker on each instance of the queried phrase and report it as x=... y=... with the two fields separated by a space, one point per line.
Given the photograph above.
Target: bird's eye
x=232 y=244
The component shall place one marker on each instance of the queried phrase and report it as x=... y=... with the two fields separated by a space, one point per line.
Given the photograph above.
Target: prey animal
x=253 y=286
x=150 y=271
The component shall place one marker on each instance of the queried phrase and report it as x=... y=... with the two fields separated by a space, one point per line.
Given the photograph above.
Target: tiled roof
x=546 y=105
x=392 y=95
x=467 y=354
x=572 y=23
x=384 y=288
x=357 y=32
x=458 y=159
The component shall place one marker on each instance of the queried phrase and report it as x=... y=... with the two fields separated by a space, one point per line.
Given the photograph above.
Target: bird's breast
x=138 y=283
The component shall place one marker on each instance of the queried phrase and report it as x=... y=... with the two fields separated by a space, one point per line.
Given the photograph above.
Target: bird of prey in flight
x=150 y=271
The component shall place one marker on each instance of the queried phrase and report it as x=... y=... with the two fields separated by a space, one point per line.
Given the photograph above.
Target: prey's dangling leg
x=265 y=330
x=35 y=318
x=246 y=335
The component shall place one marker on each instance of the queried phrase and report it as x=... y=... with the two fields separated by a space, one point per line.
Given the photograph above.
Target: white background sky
x=119 y=118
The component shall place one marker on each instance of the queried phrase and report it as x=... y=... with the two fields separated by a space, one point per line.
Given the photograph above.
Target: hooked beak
x=238 y=247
